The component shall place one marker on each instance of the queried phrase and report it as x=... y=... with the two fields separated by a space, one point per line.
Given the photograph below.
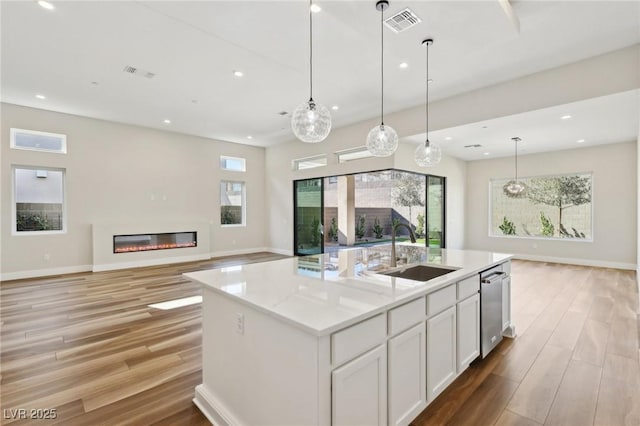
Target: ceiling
x=75 y=55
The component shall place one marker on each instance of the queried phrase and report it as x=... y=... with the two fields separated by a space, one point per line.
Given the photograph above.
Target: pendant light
x=382 y=140
x=514 y=188
x=427 y=153
x=311 y=121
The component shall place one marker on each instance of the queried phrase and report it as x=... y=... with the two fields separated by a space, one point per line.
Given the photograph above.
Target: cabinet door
x=441 y=352
x=506 y=303
x=468 y=326
x=359 y=390
x=407 y=375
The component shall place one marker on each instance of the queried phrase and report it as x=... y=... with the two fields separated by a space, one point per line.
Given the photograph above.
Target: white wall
x=615 y=198
x=118 y=173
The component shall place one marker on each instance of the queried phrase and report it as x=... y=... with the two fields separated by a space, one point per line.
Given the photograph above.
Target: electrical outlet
x=239 y=323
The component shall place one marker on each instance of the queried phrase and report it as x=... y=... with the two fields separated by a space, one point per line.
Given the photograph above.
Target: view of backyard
x=379 y=201
x=551 y=207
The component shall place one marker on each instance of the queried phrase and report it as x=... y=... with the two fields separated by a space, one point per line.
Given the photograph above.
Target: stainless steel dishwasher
x=491 y=308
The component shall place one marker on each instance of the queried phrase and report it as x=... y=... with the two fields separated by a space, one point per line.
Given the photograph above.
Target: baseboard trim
x=222 y=253
x=35 y=273
x=280 y=251
x=149 y=262
x=582 y=262
x=211 y=408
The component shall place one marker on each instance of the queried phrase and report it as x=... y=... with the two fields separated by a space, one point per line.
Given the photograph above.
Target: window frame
x=591 y=239
x=223 y=158
x=14 y=212
x=13 y=131
x=243 y=207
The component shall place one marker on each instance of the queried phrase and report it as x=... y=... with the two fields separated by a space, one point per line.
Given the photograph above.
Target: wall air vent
x=475 y=145
x=139 y=72
x=402 y=21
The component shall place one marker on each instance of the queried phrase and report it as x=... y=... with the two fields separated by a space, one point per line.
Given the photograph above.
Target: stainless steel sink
x=420 y=272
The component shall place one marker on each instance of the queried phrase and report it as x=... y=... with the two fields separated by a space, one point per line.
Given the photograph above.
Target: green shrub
x=360 y=227
x=333 y=230
x=315 y=232
x=420 y=227
x=547 y=229
x=377 y=229
x=507 y=227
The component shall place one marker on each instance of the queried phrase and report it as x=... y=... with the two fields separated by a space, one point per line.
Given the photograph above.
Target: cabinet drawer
x=440 y=300
x=468 y=287
x=351 y=342
x=405 y=316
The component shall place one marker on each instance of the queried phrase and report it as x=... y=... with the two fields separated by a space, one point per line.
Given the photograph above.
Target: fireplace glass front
x=146 y=242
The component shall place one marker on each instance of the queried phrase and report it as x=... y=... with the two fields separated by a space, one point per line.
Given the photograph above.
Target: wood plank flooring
x=89 y=346
x=575 y=361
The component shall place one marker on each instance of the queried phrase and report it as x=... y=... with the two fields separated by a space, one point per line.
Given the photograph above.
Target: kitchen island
x=333 y=339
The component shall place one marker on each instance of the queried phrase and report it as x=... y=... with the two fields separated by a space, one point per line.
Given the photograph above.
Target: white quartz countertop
x=327 y=292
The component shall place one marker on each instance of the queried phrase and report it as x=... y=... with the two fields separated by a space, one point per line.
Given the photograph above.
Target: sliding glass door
x=435 y=211
x=308 y=204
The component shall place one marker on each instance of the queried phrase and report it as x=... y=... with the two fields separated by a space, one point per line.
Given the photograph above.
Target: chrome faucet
x=393 y=240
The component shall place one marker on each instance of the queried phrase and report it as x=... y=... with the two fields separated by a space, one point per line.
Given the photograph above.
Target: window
x=38 y=141
x=309 y=162
x=38 y=200
x=554 y=207
x=232 y=203
x=353 y=154
x=233 y=164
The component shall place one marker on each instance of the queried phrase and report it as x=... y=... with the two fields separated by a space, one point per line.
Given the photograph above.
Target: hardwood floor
x=88 y=346
x=574 y=362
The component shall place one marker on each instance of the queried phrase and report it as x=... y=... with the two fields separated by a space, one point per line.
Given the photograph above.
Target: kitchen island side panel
x=257 y=369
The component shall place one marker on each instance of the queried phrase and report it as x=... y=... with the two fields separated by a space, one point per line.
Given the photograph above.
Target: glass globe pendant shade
x=382 y=141
x=428 y=154
x=311 y=122
x=514 y=189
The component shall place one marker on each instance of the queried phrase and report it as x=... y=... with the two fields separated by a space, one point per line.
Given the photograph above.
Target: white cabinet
x=407 y=377
x=506 y=303
x=359 y=390
x=441 y=351
x=468 y=327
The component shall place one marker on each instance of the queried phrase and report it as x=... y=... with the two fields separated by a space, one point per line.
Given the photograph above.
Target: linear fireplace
x=146 y=242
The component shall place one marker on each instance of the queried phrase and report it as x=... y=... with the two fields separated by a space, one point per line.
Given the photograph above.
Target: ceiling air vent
x=475 y=145
x=402 y=20
x=139 y=72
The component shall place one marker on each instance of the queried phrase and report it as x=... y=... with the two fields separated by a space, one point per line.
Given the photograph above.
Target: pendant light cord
x=427 y=97
x=516 y=140
x=310 y=52
x=382 y=65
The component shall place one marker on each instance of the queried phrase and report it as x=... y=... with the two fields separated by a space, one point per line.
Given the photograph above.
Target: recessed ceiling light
x=335 y=107
x=46 y=5
x=166 y=121
x=249 y=137
x=448 y=138
x=580 y=140
x=315 y=8
x=404 y=65
x=485 y=127
x=238 y=73
x=565 y=117
x=41 y=96
x=430 y=81
x=485 y=153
